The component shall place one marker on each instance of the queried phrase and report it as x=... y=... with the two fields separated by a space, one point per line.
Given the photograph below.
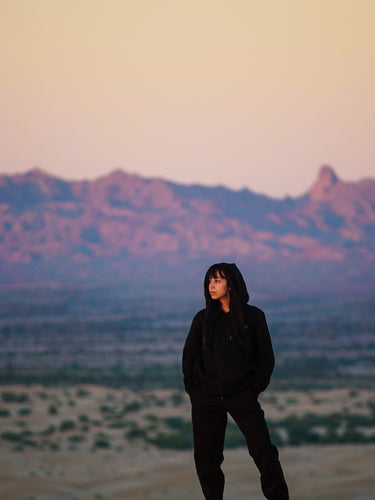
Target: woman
x=227 y=361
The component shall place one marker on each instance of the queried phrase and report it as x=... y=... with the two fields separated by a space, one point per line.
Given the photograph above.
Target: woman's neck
x=225 y=303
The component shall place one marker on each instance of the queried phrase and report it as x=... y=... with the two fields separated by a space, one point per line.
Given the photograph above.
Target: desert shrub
x=71 y=402
x=102 y=443
x=12 y=397
x=360 y=420
x=299 y=429
x=24 y=412
x=302 y=430
x=83 y=418
x=153 y=422
x=30 y=442
x=176 y=423
x=276 y=437
x=152 y=418
x=352 y=435
x=102 y=440
x=173 y=440
x=106 y=409
x=12 y=436
x=291 y=401
x=180 y=439
x=53 y=410
x=67 y=425
x=54 y=446
x=371 y=406
x=177 y=399
x=82 y=393
x=117 y=425
x=48 y=431
x=15 y=436
x=233 y=436
x=76 y=438
x=4 y=412
x=271 y=399
x=133 y=406
x=135 y=432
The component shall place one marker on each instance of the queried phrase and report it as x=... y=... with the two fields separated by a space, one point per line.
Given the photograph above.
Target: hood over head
x=232 y=270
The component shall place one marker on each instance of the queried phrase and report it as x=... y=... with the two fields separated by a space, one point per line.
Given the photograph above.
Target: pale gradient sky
x=244 y=93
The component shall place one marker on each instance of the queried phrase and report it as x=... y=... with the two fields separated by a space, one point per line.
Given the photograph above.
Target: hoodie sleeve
x=192 y=351
x=263 y=356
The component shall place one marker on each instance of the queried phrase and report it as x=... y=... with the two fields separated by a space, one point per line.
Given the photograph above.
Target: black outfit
x=222 y=375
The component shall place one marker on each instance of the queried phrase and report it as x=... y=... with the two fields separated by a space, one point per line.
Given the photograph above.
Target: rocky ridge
x=126 y=218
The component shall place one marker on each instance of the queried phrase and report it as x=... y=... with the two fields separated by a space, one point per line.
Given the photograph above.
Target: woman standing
x=227 y=361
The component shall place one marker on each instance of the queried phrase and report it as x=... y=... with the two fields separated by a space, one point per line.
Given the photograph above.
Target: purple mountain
x=124 y=225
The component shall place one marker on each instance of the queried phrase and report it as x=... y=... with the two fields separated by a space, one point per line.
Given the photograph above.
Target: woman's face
x=217 y=287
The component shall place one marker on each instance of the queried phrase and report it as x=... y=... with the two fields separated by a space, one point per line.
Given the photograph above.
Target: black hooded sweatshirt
x=225 y=365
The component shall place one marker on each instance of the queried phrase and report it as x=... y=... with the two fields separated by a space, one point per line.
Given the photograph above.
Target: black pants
x=209 y=417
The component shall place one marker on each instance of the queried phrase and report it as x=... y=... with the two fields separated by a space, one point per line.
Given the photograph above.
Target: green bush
x=48 y=431
x=276 y=437
x=177 y=399
x=12 y=397
x=52 y=410
x=152 y=418
x=30 y=442
x=12 y=436
x=135 y=432
x=133 y=406
x=67 y=425
x=106 y=409
x=24 y=412
x=102 y=441
x=174 y=440
x=117 y=425
x=233 y=436
x=4 y=412
x=82 y=393
x=76 y=438
x=177 y=423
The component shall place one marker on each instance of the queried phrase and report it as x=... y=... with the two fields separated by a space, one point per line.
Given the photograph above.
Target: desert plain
x=90 y=442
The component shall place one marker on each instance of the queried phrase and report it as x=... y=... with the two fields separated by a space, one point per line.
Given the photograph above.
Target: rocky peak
x=326 y=180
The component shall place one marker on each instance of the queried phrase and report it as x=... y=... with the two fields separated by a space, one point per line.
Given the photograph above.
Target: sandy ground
x=329 y=472
x=134 y=470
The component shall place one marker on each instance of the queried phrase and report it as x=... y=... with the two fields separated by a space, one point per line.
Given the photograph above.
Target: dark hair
x=213 y=307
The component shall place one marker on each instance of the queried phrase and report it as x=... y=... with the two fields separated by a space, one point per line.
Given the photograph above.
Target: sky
x=243 y=93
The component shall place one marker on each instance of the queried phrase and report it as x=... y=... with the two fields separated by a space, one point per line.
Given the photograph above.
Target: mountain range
x=123 y=226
